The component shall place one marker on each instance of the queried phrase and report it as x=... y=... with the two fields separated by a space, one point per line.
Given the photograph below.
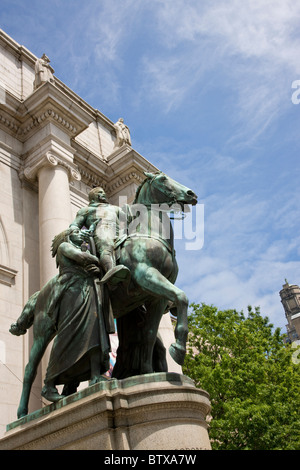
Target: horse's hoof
x=177 y=353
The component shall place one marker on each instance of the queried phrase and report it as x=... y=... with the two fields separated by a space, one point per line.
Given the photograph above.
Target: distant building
x=290 y=298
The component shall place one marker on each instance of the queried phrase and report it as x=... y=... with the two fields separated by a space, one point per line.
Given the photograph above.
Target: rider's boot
x=114 y=274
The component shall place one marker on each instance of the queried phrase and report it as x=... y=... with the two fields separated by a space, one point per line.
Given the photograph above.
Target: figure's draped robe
x=81 y=329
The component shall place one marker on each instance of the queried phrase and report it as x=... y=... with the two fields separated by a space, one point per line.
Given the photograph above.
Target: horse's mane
x=139 y=190
x=150 y=176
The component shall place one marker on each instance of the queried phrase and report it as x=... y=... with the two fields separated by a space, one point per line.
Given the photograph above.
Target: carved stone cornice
x=125 y=179
x=111 y=186
x=11 y=125
x=125 y=157
x=21 y=130
x=46 y=104
x=91 y=179
x=50 y=114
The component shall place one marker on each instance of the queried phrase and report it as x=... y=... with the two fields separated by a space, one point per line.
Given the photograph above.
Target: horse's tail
x=25 y=320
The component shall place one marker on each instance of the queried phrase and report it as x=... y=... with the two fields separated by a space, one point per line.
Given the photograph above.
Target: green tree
x=252 y=379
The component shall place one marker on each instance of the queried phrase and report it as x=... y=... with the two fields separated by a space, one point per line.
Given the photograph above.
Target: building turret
x=290 y=298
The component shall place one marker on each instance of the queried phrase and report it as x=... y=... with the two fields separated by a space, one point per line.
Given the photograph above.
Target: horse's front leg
x=152 y=281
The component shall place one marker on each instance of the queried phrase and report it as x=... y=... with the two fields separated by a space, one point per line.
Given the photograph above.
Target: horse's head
x=159 y=188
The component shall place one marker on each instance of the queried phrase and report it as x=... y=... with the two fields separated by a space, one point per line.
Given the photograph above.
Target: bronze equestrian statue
x=138 y=297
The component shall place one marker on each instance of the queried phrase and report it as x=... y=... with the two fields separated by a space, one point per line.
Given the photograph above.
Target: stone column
x=54 y=212
x=55 y=215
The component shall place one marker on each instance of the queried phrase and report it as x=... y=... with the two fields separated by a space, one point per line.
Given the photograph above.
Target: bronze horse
x=147 y=250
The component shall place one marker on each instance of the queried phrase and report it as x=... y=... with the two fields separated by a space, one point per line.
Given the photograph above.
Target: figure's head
x=71 y=234
x=76 y=236
x=97 y=195
x=45 y=58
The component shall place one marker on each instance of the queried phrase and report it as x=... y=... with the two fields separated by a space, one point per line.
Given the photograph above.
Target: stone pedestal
x=163 y=411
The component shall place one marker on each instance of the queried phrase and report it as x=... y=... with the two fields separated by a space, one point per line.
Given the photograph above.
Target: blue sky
x=205 y=88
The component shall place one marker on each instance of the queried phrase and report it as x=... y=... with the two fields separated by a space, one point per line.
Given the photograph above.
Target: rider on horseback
x=103 y=221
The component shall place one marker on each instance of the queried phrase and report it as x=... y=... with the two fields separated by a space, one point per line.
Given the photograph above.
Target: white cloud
x=253 y=46
x=252 y=29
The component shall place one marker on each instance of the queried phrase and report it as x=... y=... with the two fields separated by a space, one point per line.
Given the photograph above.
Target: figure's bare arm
x=80 y=218
x=122 y=218
x=83 y=258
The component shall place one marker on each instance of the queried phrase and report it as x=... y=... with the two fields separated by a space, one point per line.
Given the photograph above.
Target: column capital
x=49 y=159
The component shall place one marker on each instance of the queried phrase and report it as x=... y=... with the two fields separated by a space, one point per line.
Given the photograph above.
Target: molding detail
x=123 y=180
x=90 y=179
x=7 y=275
x=52 y=114
x=9 y=123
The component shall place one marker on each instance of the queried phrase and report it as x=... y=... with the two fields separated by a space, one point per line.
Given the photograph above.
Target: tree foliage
x=254 y=386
